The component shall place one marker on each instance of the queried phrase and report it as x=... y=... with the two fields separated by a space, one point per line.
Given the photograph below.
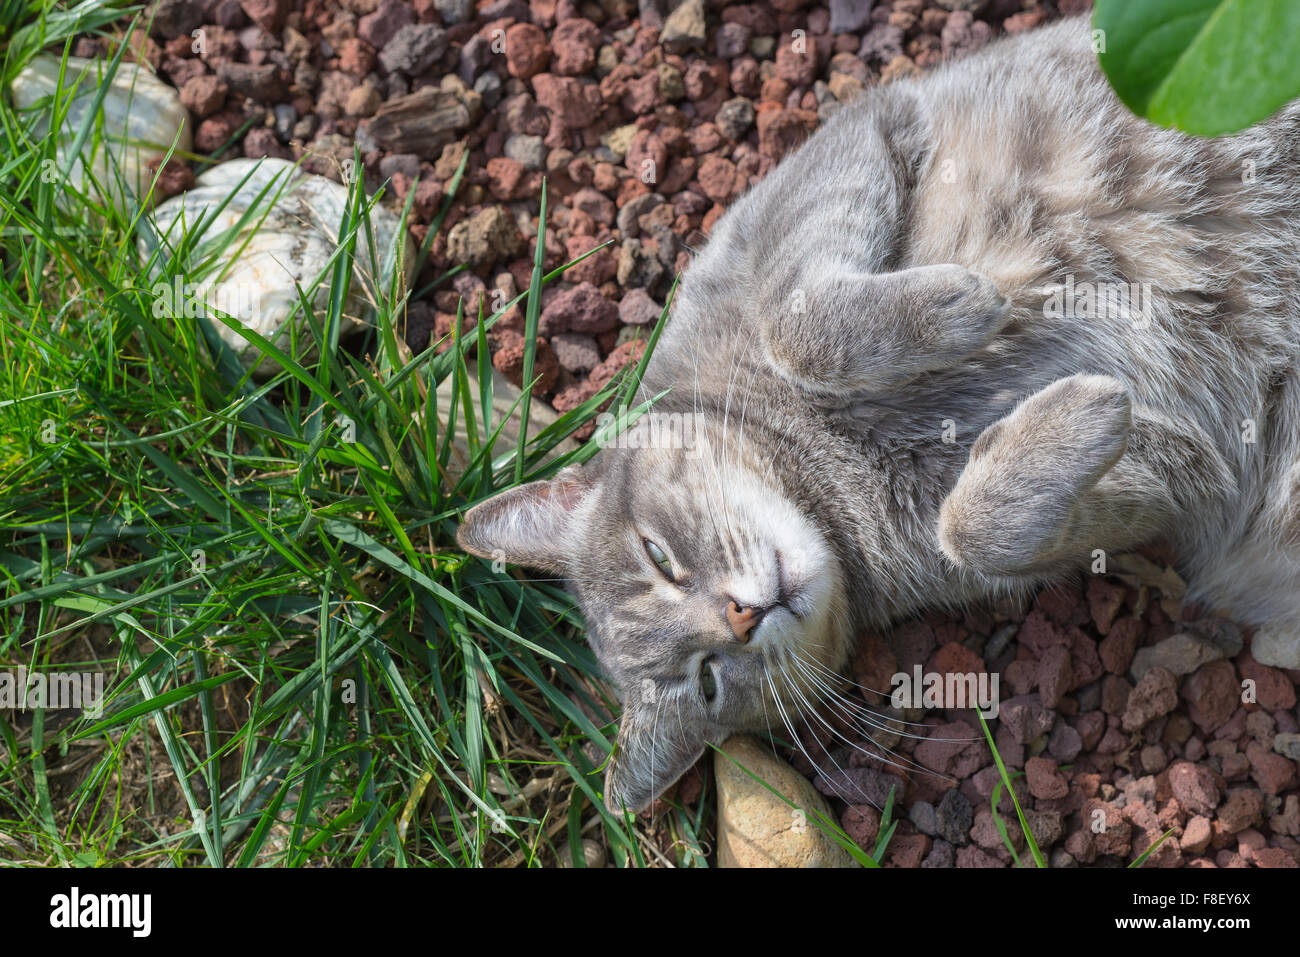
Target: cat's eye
x=708 y=684
x=659 y=558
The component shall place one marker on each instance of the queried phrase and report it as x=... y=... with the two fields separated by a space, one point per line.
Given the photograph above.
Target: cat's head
x=710 y=600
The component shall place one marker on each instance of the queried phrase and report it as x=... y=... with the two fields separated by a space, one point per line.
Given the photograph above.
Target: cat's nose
x=743 y=620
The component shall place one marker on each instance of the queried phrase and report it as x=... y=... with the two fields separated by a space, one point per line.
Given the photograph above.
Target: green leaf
x=1207 y=67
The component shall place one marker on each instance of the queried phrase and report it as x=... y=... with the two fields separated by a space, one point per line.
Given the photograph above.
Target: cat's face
x=710 y=601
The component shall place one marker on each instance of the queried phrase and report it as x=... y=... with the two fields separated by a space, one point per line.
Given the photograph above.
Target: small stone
x=1155 y=695
x=575 y=352
x=1179 y=654
x=1241 y=810
x=1045 y=781
x=486 y=237
x=203 y=95
x=573 y=47
x=1211 y=694
x=954 y=817
x=923 y=815
x=1196 y=835
x=414 y=48
x=381 y=26
x=530 y=151
x=685 y=28
x=1065 y=743
x=735 y=117
x=580 y=309
x=637 y=308
x=850 y=16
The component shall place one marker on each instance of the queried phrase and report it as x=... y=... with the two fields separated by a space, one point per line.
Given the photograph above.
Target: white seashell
x=287 y=242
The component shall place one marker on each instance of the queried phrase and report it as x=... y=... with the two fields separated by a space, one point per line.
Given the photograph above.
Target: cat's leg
x=1073 y=469
x=833 y=331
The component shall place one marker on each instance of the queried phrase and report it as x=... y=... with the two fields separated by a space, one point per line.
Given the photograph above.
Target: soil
x=646 y=124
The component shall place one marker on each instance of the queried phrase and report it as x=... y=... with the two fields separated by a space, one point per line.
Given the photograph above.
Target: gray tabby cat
x=908 y=402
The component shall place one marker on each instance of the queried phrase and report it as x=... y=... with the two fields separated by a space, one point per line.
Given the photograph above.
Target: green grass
x=302 y=668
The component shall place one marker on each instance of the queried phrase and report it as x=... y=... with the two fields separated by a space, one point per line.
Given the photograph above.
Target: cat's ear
x=650 y=755
x=1028 y=498
x=871 y=332
x=530 y=524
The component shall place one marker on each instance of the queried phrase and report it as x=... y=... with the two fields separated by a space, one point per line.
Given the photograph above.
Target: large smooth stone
x=142 y=116
x=758 y=829
x=287 y=242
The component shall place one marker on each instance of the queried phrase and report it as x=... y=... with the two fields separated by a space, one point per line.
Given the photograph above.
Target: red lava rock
x=1105 y=599
x=985 y=832
x=1111 y=834
x=1212 y=694
x=972 y=856
x=1038 y=633
x=174 y=179
x=647 y=155
x=1272 y=772
x=638 y=308
x=642 y=94
x=1091 y=726
x=504 y=177
x=1045 y=781
x=780 y=131
x=955 y=659
x=962 y=33
x=595 y=204
x=1120 y=644
x=1114 y=694
x=797 y=67
x=1084 y=660
x=955 y=749
x=567 y=99
x=720 y=179
x=1025 y=717
x=913 y=643
x=1275 y=857
x=1061 y=602
x=1241 y=809
x=624 y=355
x=1273 y=690
x=860 y=785
x=1155 y=695
x=203 y=95
x=527 y=51
x=267 y=14
x=573 y=47
x=1196 y=835
x=215 y=131
x=1021 y=676
x=580 y=309
x=862 y=823
x=1194 y=788
x=381 y=26
x=261 y=141
x=1023 y=21
x=509 y=361
x=1055 y=676
x=907 y=850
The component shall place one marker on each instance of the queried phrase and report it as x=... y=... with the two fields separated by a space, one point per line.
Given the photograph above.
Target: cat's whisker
x=910 y=763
